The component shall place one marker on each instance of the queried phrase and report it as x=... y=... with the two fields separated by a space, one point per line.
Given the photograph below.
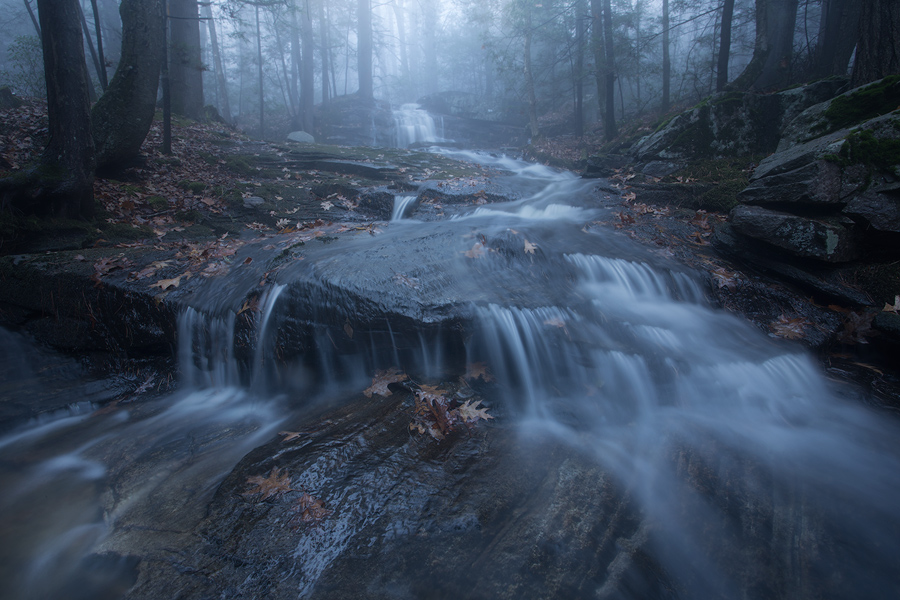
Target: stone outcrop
x=351 y=121
x=732 y=124
x=469 y=120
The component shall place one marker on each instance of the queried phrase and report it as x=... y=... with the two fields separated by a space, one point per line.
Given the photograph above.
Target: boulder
x=732 y=124
x=817 y=182
x=852 y=107
x=828 y=239
x=8 y=99
x=879 y=208
x=301 y=137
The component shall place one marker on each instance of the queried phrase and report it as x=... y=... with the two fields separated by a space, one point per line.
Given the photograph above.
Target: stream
x=644 y=444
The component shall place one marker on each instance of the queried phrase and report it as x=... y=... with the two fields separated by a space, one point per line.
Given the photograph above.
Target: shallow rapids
x=745 y=473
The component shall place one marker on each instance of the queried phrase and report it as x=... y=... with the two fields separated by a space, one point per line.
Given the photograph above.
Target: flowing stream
x=751 y=474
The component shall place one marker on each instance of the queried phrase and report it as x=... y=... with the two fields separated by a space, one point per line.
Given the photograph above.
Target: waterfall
x=413 y=124
x=402 y=205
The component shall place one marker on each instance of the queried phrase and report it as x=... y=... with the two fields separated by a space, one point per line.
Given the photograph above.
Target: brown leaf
x=469 y=412
x=310 y=509
x=529 y=247
x=477 y=251
x=273 y=486
x=381 y=381
x=478 y=370
x=289 y=435
x=174 y=282
x=348 y=329
x=791 y=329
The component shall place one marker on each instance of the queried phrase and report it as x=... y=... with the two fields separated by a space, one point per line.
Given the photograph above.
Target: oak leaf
x=477 y=251
x=529 y=247
x=478 y=370
x=469 y=412
x=309 y=509
x=381 y=381
x=273 y=486
x=791 y=329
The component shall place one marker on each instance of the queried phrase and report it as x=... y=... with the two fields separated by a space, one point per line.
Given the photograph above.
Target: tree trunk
x=364 y=50
x=90 y=44
x=308 y=74
x=221 y=81
x=838 y=32
x=262 y=89
x=666 y=60
x=104 y=81
x=724 y=45
x=598 y=52
x=529 y=75
x=399 y=17
x=185 y=65
x=67 y=164
x=609 y=121
x=429 y=45
x=878 y=49
x=34 y=20
x=123 y=115
x=296 y=69
x=323 y=37
x=579 y=68
x=770 y=66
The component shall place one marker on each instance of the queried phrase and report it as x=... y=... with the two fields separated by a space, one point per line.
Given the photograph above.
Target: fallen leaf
x=477 y=251
x=895 y=308
x=469 y=412
x=381 y=381
x=348 y=330
x=529 y=247
x=327 y=205
x=791 y=329
x=289 y=435
x=310 y=509
x=273 y=486
x=174 y=282
x=478 y=370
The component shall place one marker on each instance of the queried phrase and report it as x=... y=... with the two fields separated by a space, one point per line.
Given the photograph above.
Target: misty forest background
x=269 y=67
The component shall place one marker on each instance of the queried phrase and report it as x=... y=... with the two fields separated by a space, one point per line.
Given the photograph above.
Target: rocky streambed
x=497 y=394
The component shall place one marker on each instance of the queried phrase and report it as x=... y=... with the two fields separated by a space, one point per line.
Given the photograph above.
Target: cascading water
x=751 y=475
x=413 y=124
x=402 y=206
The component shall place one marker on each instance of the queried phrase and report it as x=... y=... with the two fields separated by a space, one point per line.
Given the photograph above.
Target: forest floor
x=185 y=215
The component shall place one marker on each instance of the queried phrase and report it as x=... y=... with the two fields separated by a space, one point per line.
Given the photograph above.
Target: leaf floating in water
x=273 y=486
x=477 y=251
x=478 y=370
x=381 y=381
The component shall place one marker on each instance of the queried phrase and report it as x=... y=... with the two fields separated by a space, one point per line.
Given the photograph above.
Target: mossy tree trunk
x=66 y=174
x=878 y=49
x=123 y=115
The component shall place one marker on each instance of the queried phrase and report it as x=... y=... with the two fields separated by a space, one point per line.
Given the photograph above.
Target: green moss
x=866 y=103
x=195 y=187
x=696 y=140
x=241 y=164
x=157 y=203
x=862 y=147
x=727 y=176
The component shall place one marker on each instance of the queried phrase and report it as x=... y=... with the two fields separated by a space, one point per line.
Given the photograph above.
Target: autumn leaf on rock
x=629 y=196
x=327 y=205
x=289 y=435
x=469 y=412
x=381 y=381
x=895 y=308
x=529 y=247
x=174 y=282
x=273 y=486
x=857 y=327
x=791 y=329
x=309 y=509
x=725 y=279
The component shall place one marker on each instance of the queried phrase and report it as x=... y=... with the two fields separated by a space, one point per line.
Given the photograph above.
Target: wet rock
x=301 y=137
x=826 y=239
x=253 y=201
x=817 y=182
x=879 y=208
x=353 y=121
x=731 y=124
x=8 y=100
